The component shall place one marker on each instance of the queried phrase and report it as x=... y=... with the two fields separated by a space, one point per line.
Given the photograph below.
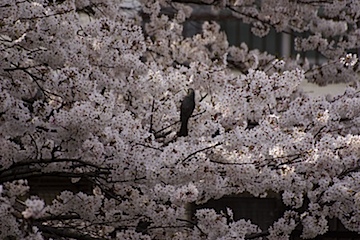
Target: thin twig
x=151 y=116
x=148 y=146
x=201 y=150
x=192 y=223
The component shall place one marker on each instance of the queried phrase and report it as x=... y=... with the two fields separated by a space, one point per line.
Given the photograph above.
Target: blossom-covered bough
x=91 y=90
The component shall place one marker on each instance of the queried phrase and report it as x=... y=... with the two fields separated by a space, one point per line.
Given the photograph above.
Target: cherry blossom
x=90 y=91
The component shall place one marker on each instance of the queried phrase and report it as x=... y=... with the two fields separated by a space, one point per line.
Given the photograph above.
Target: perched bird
x=186 y=109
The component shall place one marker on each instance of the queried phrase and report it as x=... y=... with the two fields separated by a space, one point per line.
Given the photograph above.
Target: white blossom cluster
x=329 y=27
x=97 y=99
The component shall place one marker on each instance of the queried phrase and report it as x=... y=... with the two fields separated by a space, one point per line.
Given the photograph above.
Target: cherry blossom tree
x=91 y=90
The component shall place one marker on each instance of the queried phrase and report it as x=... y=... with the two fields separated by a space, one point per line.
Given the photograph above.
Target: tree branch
x=201 y=150
x=65 y=232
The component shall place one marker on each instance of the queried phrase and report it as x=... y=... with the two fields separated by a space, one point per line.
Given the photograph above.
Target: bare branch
x=65 y=232
x=201 y=150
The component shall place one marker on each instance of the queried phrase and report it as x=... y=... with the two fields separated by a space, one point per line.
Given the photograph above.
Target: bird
x=186 y=109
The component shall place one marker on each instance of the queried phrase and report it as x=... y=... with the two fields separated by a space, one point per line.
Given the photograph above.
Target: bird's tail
x=183 y=129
